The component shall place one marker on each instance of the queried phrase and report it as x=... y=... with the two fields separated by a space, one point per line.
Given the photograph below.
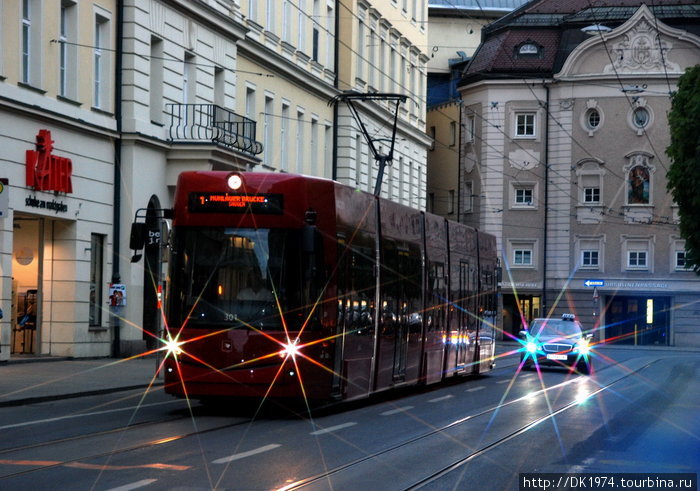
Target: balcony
x=211 y=123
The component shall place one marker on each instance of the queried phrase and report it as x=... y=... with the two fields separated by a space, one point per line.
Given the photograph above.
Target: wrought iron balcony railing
x=209 y=122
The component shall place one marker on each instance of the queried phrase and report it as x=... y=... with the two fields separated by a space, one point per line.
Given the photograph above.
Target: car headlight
x=531 y=346
x=583 y=347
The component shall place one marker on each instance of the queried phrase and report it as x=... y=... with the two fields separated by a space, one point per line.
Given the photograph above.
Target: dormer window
x=528 y=49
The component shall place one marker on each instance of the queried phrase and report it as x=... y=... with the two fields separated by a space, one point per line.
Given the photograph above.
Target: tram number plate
x=556 y=357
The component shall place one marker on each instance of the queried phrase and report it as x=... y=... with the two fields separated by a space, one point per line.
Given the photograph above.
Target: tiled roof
x=546 y=22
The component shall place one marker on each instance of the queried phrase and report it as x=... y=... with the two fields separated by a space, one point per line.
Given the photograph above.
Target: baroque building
x=567 y=159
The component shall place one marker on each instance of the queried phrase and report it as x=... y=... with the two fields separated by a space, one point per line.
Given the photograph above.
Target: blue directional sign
x=590 y=283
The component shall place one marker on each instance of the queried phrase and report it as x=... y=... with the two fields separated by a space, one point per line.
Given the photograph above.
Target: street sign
x=594 y=283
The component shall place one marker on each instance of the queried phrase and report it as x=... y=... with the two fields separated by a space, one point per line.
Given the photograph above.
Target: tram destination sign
x=264 y=204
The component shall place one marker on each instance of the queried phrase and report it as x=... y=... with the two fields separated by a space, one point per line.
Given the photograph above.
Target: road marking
x=94 y=413
x=397 y=410
x=101 y=467
x=474 y=389
x=331 y=429
x=503 y=381
x=134 y=485
x=440 y=399
x=249 y=453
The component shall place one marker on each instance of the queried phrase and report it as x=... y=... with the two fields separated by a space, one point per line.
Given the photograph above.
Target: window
x=67 y=50
x=589 y=259
x=591 y=195
x=679 y=255
x=286 y=22
x=300 y=141
x=528 y=49
x=313 y=147
x=432 y=133
x=525 y=125
x=268 y=130
x=523 y=197
x=680 y=261
x=470 y=129
x=96 y=261
x=101 y=62
x=284 y=137
x=637 y=259
x=156 y=80
x=592 y=119
x=270 y=15
x=453 y=133
x=315 y=32
x=431 y=203
x=31 y=42
x=451 y=202
x=468 y=197
x=219 y=86
x=250 y=103
x=522 y=257
x=301 y=26
x=189 y=79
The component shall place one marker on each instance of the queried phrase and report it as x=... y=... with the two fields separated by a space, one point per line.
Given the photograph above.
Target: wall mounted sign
x=46 y=172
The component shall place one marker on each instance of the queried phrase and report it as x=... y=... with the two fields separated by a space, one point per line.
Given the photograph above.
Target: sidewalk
x=27 y=381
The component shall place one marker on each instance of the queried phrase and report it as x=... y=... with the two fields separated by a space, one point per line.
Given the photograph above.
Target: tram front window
x=238 y=278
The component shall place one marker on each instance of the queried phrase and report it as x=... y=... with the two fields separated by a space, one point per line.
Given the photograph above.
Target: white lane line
x=503 y=381
x=249 y=453
x=397 y=411
x=134 y=485
x=80 y=415
x=474 y=389
x=440 y=399
x=331 y=429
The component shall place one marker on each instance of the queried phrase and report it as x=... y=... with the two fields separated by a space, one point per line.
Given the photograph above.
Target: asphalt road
x=636 y=413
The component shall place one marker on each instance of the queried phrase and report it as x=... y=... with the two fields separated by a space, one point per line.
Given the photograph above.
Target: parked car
x=558 y=342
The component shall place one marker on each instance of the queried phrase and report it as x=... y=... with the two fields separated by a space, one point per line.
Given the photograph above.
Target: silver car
x=558 y=342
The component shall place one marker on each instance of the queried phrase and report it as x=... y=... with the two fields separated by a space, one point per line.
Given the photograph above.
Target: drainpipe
x=116 y=210
x=543 y=307
x=336 y=83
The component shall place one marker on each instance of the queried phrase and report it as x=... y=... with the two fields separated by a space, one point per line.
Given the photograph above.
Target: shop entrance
x=27 y=259
x=519 y=311
x=637 y=320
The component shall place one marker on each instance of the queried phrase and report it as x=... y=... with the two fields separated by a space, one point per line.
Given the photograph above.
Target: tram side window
x=356 y=286
x=437 y=296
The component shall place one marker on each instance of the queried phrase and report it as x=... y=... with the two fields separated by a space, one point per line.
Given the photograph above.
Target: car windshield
x=555 y=328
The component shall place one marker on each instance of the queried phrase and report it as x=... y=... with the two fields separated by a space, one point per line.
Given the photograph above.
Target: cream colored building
x=454 y=33
x=382 y=48
x=56 y=83
x=568 y=157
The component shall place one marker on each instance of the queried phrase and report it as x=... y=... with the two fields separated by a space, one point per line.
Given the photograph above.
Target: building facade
x=57 y=153
x=382 y=48
x=104 y=104
x=568 y=161
x=454 y=33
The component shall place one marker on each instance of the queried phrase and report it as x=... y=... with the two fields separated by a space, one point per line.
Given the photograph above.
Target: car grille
x=556 y=348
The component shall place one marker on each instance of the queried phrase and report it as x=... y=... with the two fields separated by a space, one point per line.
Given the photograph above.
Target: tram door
x=466 y=308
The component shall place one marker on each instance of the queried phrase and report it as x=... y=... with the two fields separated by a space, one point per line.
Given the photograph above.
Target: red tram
x=288 y=286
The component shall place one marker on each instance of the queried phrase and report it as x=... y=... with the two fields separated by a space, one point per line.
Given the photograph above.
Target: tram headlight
x=235 y=181
x=289 y=350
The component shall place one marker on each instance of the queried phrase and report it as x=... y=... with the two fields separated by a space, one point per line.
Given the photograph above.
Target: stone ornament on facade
x=641 y=51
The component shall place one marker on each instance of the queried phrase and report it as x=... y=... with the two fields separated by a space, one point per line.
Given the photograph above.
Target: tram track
x=456 y=464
